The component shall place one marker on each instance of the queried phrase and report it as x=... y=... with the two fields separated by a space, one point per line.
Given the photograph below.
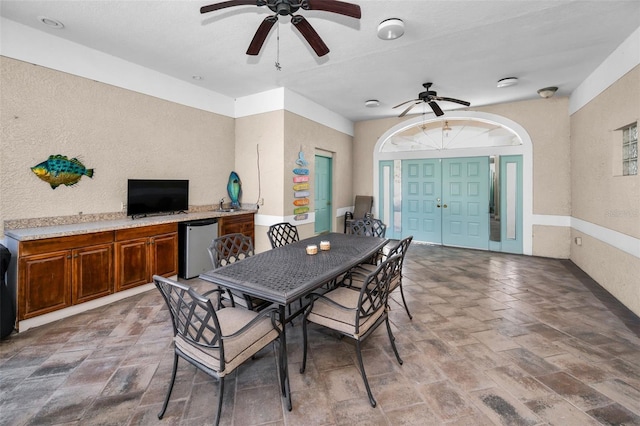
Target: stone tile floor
x=495 y=339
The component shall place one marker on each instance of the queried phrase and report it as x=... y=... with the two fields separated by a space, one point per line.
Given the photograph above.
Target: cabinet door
x=132 y=263
x=92 y=273
x=45 y=283
x=164 y=251
x=243 y=224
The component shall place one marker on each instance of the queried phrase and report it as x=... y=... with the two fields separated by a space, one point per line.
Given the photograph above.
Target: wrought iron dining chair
x=370 y=227
x=216 y=342
x=361 y=210
x=282 y=234
x=356 y=277
x=354 y=313
x=228 y=249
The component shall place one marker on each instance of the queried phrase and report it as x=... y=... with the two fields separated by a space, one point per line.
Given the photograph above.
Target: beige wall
x=279 y=136
x=600 y=196
x=317 y=137
x=547 y=123
x=120 y=133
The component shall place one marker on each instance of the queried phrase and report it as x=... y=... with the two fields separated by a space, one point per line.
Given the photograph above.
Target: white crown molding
x=621 y=61
x=37 y=47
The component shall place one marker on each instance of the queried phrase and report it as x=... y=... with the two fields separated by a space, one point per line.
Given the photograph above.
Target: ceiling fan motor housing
x=427 y=95
x=283 y=7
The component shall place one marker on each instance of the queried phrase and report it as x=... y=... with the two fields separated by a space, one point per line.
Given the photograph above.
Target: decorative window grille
x=630 y=150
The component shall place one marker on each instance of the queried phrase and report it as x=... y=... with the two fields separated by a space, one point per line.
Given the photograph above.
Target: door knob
x=445 y=206
x=438 y=205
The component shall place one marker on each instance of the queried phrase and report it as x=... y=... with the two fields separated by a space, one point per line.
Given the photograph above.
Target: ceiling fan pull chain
x=278 y=67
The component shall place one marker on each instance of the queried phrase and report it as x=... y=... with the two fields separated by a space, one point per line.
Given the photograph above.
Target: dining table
x=287 y=274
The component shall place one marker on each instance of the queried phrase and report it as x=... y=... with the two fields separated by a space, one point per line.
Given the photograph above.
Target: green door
x=322 y=197
x=465 y=202
x=446 y=201
x=421 y=199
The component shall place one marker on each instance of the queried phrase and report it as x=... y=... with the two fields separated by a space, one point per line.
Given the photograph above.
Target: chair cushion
x=236 y=349
x=330 y=316
x=363 y=270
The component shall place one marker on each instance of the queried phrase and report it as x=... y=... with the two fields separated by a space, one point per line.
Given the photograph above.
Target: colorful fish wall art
x=59 y=170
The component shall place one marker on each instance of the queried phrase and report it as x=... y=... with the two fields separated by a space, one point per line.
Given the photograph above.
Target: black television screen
x=153 y=196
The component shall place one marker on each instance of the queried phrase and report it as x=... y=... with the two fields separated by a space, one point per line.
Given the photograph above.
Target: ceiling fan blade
x=436 y=109
x=261 y=35
x=340 y=7
x=230 y=3
x=310 y=35
x=458 y=101
x=412 y=100
x=408 y=109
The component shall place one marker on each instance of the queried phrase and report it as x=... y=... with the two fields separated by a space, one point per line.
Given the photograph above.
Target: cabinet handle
x=75 y=256
x=69 y=257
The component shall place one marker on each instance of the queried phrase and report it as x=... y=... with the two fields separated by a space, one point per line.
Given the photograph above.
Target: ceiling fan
x=289 y=7
x=430 y=97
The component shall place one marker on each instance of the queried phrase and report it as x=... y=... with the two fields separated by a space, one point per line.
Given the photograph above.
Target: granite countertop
x=40 y=232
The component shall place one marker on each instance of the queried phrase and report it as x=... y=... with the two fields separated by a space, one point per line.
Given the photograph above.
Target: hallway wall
x=606 y=205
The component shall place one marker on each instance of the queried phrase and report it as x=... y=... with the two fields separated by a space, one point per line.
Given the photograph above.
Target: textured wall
x=312 y=136
x=599 y=196
x=279 y=136
x=602 y=197
x=120 y=133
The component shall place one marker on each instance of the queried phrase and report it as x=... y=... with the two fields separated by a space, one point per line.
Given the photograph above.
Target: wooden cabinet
x=242 y=223
x=144 y=252
x=55 y=273
x=92 y=269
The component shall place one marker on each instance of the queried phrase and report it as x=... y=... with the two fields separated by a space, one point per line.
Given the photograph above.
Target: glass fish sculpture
x=234 y=189
x=59 y=170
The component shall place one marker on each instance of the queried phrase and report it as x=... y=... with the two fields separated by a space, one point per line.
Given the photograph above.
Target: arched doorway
x=424 y=144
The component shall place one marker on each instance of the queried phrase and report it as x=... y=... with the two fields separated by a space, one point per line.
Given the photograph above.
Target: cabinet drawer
x=145 y=231
x=48 y=245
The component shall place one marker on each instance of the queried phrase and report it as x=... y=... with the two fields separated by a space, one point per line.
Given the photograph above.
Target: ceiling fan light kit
x=391 y=29
x=547 y=92
x=508 y=81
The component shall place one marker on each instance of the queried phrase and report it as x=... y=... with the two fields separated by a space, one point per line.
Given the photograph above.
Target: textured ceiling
x=464 y=47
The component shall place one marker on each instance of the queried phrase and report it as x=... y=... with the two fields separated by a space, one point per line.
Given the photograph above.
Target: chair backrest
x=362 y=206
x=400 y=249
x=368 y=227
x=282 y=234
x=193 y=317
x=230 y=248
x=375 y=289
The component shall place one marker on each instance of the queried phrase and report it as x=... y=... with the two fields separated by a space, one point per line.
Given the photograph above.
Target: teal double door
x=446 y=201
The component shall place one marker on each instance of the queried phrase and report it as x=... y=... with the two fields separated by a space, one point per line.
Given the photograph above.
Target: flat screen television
x=154 y=196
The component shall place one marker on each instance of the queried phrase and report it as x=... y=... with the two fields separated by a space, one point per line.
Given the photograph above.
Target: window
x=630 y=150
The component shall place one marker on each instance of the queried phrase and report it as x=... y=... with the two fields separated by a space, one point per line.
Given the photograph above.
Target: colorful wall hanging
x=301 y=184
x=59 y=170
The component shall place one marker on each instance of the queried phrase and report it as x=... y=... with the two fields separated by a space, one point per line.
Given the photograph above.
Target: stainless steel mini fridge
x=194 y=239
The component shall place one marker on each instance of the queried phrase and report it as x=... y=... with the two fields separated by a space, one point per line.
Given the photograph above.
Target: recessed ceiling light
x=390 y=29
x=372 y=103
x=506 y=82
x=52 y=23
x=197 y=77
